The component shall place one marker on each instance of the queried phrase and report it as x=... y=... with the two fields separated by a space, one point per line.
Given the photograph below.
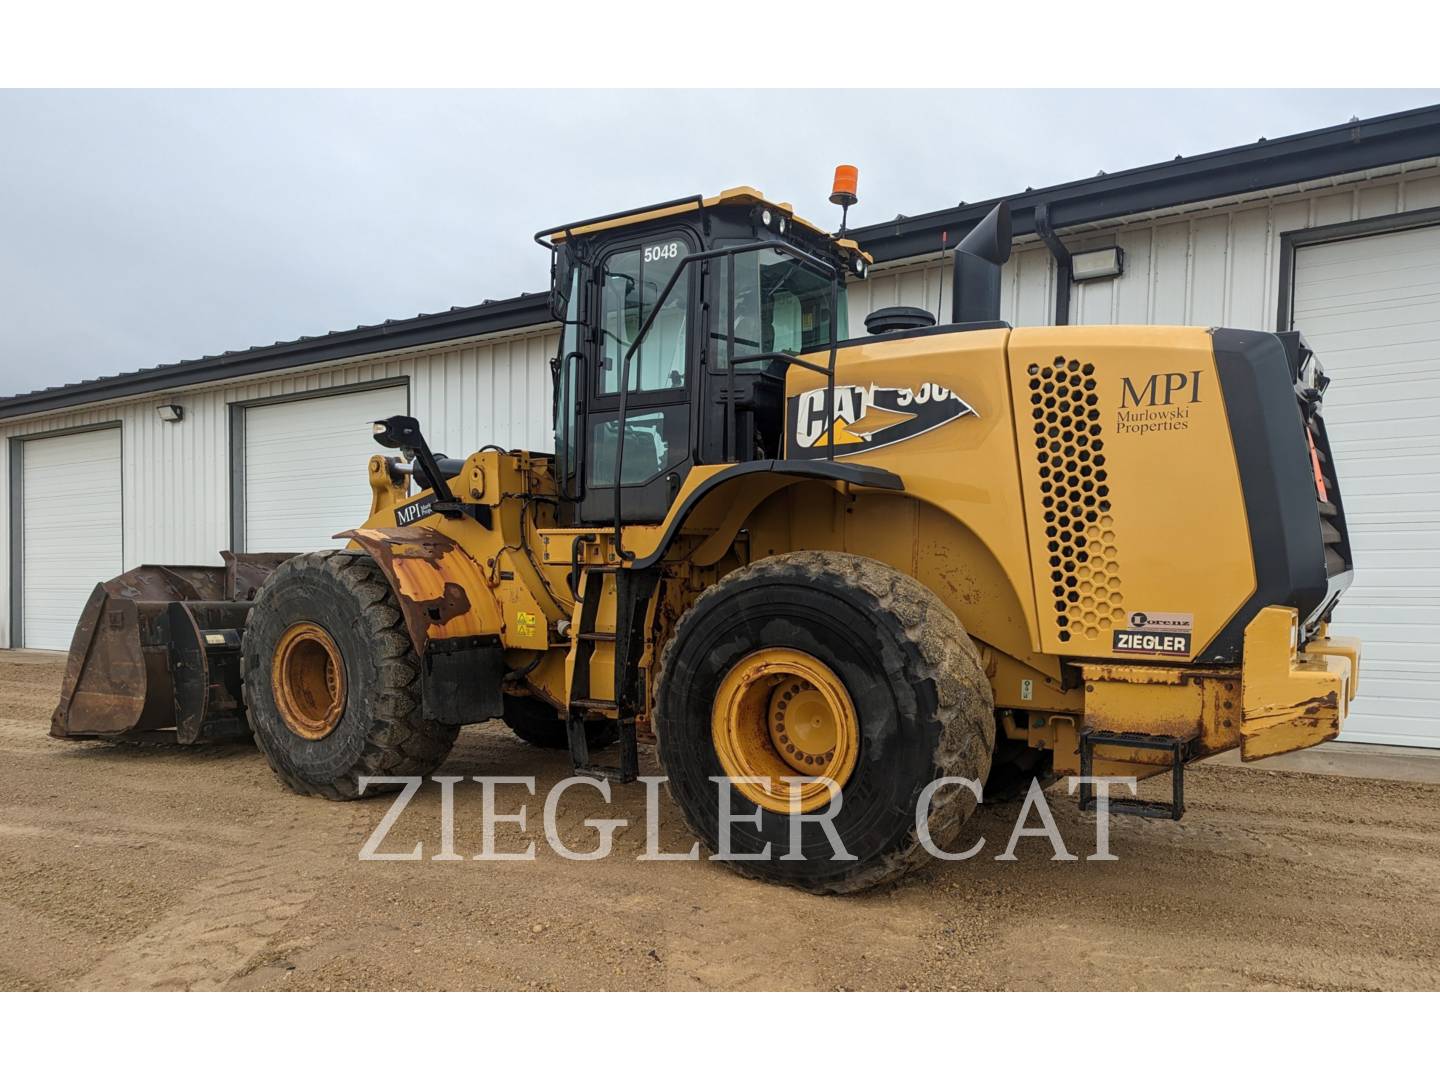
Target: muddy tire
x=360 y=715
x=921 y=701
x=538 y=724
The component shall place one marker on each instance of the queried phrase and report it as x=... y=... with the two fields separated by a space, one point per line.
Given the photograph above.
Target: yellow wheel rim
x=308 y=679
x=781 y=713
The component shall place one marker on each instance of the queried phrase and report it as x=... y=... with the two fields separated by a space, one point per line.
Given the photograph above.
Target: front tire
x=332 y=681
x=848 y=642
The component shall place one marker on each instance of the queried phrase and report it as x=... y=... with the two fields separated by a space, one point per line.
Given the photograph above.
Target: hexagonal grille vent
x=1075 y=495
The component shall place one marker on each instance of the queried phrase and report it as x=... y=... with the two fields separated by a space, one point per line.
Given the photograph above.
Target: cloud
x=142 y=228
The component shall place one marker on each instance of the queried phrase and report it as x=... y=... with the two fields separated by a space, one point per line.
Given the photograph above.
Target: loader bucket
x=157 y=650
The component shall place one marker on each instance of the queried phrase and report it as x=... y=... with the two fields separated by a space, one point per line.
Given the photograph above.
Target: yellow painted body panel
x=489 y=574
x=960 y=525
x=1142 y=494
x=1292 y=698
x=1059 y=484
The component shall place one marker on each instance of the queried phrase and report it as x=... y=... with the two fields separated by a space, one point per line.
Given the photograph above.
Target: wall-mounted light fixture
x=171 y=414
x=1101 y=263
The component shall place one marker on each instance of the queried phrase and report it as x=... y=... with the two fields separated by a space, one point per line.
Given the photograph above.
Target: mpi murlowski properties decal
x=868 y=417
x=414 y=511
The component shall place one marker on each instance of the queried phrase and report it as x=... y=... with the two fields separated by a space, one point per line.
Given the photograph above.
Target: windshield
x=782 y=305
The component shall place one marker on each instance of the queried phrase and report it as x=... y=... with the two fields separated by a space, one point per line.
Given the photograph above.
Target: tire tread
x=404 y=743
x=948 y=658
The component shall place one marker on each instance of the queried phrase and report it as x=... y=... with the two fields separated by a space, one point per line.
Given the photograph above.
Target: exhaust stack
x=978 y=258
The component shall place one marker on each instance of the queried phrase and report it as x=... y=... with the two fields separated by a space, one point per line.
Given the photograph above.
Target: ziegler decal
x=1156 y=644
x=413 y=512
x=868 y=417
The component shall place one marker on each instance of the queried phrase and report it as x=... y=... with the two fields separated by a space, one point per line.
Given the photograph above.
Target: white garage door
x=70 y=528
x=305 y=477
x=1370 y=307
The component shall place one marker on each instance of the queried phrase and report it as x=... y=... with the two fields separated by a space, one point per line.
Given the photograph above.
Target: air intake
x=886 y=319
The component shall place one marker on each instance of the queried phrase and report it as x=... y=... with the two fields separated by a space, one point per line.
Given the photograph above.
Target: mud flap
x=463 y=679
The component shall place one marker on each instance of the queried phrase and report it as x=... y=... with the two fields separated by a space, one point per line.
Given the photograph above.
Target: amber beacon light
x=842 y=191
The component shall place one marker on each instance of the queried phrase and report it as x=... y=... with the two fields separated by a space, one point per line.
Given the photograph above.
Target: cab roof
x=736 y=196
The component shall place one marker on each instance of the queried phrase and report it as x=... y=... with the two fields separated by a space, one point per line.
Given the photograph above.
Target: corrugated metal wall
x=176 y=477
x=1208 y=265
x=1204 y=266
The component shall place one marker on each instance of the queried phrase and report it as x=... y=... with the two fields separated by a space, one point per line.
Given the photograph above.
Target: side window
x=650 y=448
x=781 y=306
x=567 y=384
x=749 y=328
x=631 y=282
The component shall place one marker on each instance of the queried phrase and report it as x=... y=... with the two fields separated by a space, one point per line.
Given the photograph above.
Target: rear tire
x=373 y=725
x=920 y=698
x=538 y=724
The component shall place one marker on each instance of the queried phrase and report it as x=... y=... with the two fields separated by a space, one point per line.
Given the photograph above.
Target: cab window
x=650 y=447
x=568 y=386
x=782 y=305
x=631 y=282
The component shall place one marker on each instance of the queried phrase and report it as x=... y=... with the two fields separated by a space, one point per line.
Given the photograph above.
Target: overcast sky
x=142 y=228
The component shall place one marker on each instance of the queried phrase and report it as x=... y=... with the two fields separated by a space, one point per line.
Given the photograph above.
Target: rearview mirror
x=562 y=273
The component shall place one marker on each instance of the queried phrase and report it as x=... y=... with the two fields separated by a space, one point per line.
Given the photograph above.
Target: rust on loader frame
x=444 y=594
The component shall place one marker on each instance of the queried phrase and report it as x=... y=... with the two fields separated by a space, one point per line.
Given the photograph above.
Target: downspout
x=1062 y=263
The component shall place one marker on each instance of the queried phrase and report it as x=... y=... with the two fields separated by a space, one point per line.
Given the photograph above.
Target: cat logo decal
x=868 y=417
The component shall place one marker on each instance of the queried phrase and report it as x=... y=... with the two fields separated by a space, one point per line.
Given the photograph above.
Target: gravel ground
x=172 y=868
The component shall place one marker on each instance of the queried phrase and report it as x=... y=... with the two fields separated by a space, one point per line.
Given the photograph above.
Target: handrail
x=832 y=272
x=542 y=237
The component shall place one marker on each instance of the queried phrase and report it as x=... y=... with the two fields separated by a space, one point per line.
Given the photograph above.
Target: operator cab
x=679 y=323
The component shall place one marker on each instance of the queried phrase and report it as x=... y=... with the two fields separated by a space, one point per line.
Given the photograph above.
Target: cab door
x=629 y=280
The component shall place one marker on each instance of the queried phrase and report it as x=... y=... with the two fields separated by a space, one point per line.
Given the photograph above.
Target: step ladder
x=632 y=595
x=1179 y=750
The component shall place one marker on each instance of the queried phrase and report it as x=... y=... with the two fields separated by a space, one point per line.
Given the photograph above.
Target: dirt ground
x=170 y=868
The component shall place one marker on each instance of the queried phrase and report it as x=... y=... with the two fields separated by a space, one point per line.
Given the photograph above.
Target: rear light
x=1315 y=465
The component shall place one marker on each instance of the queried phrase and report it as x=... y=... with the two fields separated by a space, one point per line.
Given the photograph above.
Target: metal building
x=1334 y=232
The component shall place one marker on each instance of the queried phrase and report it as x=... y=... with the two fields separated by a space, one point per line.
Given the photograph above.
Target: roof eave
x=1345 y=148
x=493 y=317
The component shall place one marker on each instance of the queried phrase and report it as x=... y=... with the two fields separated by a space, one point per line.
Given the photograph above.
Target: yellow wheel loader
x=823 y=572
